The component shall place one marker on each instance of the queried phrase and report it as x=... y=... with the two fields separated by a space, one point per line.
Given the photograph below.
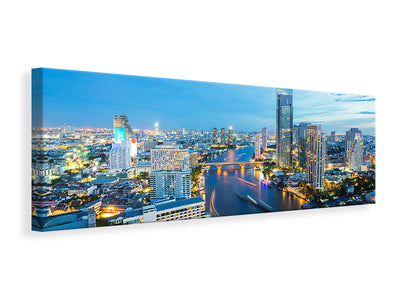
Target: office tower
x=302 y=143
x=223 y=138
x=354 y=149
x=122 y=130
x=230 y=137
x=170 y=183
x=169 y=158
x=257 y=146
x=120 y=158
x=284 y=127
x=264 y=137
x=332 y=137
x=295 y=134
x=215 y=136
x=315 y=164
x=156 y=130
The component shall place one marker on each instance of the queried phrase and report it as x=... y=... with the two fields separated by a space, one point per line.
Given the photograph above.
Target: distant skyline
x=89 y=99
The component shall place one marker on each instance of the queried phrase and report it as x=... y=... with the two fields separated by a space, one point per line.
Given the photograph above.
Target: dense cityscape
x=93 y=177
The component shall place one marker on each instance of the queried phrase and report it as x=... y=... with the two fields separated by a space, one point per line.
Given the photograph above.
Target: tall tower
x=302 y=143
x=284 y=127
x=257 y=146
x=354 y=149
x=215 y=136
x=223 y=137
x=315 y=165
x=120 y=158
x=230 y=137
x=122 y=130
x=156 y=130
x=332 y=137
x=264 y=138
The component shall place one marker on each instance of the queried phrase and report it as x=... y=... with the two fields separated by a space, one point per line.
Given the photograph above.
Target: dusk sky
x=86 y=99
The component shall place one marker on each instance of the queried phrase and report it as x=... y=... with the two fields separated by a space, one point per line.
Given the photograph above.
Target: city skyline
x=86 y=99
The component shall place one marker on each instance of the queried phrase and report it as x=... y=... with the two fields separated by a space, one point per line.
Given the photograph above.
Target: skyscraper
x=332 y=138
x=315 y=165
x=122 y=130
x=257 y=146
x=354 y=149
x=215 y=136
x=169 y=158
x=284 y=127
x=264 y=137
x=223 y=137
x=230 y=137
x=302 y=143
x=120 y=158
x=156 y=130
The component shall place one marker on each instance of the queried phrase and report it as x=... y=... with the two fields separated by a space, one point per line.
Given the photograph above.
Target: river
x=221 y=187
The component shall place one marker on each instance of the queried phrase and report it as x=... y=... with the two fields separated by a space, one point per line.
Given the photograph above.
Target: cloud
x=367 y=112
x=352 y=98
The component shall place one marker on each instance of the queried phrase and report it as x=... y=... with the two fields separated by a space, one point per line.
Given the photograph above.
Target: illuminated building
x=302 y=144
x=169 y=158
x=264 y=137
x=223 y=138
x=354 y=149
x=42 y=168
x=142 y=166
x=122 y=130
x=215 y=136
x=133 y=151
x=170 y=183
x=257 y=147
x=156 y=130
x=315 y=164
x=284 y=124
x=231 y=142
x=120 y=158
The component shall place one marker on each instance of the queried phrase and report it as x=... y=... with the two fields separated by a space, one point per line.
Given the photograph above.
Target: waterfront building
x=193 y=159
x=315 y=163
x=302 y=144
x=284 y=127
x=120 y=158
x=257 y=146
x=264 y=137
x=214 y=136
x=231 y=142
x=354 y=149
x=165 y=184
x=223 y=137
x=169 y=158
x=122 y=130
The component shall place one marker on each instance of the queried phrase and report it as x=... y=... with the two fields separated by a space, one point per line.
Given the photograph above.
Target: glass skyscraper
x=284 y=127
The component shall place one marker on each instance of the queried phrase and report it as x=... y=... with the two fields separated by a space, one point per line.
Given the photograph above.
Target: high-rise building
x=284 y=127
x=215 y=136
x=354 y=149
x=169 y=158
x=122 y=130
x=223 y=137
x=120 y=158
x=302 y=143
x=134 y=148
x=315 y=165
x=264 y=137
x=257 y=146
x=332 y=138
x=231 y=142
x=296 y=135
x=170 y=183
x=156 y=129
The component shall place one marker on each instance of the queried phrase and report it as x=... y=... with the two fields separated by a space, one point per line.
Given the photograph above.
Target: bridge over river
x=242 y=164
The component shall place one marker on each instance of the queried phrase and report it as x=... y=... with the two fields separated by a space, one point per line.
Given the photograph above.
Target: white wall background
x=338 y=46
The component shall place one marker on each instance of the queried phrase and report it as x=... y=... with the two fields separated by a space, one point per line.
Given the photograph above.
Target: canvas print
x=112 y=150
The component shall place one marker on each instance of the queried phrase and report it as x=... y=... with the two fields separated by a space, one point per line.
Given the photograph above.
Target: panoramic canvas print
x=112 y=150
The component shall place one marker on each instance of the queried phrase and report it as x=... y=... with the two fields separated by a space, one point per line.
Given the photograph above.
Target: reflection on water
x=221 y=187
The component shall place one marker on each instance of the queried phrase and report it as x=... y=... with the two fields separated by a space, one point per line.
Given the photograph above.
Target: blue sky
x=87 y=99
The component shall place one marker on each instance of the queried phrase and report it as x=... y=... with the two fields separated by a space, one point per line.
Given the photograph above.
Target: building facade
x=264 y=139
x=315 y=164
x=120 y=158
x=284 y=127
x=354 y=149
x=166 y=184
x=302 y=144
x=169 y=158
x=257 y=146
